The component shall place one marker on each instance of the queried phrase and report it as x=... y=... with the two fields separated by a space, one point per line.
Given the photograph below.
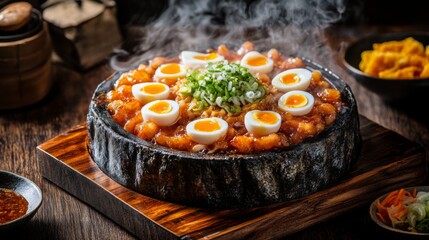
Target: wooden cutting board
x=387 y=162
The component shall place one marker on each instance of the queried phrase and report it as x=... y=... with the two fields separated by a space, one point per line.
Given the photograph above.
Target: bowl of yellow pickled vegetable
x=395 y=66
x=404 y=211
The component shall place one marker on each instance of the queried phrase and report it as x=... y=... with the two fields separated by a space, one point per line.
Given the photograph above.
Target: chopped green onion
x=226 y=85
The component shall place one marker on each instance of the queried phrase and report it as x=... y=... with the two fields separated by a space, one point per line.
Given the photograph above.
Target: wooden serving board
x=387 y=162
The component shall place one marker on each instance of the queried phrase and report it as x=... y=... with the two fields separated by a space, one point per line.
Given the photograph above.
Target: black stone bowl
x=225 y=180
x=26 y=188
x=395 y=232
x=391 y=90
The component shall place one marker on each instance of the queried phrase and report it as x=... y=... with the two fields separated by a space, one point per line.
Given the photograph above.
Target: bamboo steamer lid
x=25 y=64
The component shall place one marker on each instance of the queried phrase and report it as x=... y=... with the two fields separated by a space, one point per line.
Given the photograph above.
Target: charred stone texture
x=226 y=180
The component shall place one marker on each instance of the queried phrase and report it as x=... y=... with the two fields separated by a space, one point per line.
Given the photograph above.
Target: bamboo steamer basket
x=25 y=67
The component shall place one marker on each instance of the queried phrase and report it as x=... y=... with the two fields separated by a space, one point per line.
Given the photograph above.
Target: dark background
x=358 y=12
x=386 y=12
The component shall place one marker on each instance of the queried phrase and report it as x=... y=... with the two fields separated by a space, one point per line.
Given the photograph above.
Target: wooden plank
x=388 y=161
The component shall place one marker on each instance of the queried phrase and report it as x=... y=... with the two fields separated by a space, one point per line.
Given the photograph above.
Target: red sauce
x=12 y=205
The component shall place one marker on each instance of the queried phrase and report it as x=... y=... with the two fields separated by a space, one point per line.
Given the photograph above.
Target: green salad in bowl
x=405 y=210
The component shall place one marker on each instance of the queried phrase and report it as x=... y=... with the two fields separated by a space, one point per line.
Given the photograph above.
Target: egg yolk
x=153 y=88
x=206 y=57
x=161 y=107
x=290 y=78
x=265 y=117
x=257 y=61
x=207 y=126
x=296 y=101
x=171 y=68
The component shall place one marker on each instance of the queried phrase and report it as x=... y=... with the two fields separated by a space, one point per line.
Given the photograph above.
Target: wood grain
x=61 y=216
x=65 y=161
x=26 y=73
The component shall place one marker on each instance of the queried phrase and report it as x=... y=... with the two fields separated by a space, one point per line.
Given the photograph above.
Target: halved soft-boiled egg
x=292 y=79
x=150 y=91
x=170 y=70
x=207 y=130
x=161 y=112
x=194 y=60
x=256 y=62
x=296 y=102
x=262 y=122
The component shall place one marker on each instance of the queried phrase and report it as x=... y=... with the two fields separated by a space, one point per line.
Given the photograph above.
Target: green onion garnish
x=226 y=85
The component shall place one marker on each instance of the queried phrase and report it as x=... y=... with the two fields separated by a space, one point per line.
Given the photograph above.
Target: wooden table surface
x=62 y=216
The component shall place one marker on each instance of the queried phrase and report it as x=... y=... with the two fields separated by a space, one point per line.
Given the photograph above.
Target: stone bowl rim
x=342 y=117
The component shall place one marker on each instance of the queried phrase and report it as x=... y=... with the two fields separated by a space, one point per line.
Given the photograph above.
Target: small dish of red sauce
x=12 y=205
x=20 y=198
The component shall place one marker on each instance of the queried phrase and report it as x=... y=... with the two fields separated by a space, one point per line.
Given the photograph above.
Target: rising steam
x=295 y=27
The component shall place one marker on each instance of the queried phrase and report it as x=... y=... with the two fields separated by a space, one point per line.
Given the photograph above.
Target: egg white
x=207 y=137
x=161 y=119
x=190 y=62
x=257 y=127
x=304 y=79
x=297 y=111
x=145 y=97
x=266 y=68
x=159 y=74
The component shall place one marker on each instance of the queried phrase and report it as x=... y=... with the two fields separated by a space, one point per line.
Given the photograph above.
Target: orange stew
x=12 y=205
x=126 y=110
